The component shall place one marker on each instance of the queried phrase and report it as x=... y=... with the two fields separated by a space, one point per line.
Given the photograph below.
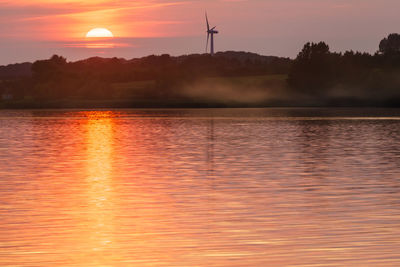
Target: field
x=206 y=92
x=243 y=89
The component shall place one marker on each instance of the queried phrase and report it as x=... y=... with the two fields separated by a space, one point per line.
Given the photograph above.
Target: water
x=245 y=187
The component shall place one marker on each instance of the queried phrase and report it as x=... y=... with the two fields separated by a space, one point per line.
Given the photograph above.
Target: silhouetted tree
x=312 y=69
x=390 y=45
x=48 y=69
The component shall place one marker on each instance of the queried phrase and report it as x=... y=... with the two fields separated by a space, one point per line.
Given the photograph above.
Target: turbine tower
x=210 y=32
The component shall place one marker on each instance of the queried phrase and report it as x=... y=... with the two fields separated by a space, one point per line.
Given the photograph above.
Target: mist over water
x=227 y=187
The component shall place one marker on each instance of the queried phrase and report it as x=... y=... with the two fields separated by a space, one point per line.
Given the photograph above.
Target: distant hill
x=228 y=78
x=241 y=57
x=18 y=70
x=248 y=57
x=237 y=56
x=21 y=70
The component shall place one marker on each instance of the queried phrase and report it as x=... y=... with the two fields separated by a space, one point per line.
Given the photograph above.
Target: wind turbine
x=211 y=32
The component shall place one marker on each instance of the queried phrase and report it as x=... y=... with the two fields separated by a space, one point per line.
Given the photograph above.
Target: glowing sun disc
x=99 y=33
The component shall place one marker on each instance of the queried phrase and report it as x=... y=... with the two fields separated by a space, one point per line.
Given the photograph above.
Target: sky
x=37 y=29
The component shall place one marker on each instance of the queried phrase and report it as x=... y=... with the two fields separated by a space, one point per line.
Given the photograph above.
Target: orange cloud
x=70 y=19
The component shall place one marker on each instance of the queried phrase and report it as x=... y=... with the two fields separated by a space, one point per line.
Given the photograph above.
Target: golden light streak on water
x=99 y=185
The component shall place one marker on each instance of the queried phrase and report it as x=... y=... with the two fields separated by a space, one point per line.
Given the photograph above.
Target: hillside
x=161 y=80
x=18 y=70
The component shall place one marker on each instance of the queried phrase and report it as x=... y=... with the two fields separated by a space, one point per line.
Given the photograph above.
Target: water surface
x=242 y=187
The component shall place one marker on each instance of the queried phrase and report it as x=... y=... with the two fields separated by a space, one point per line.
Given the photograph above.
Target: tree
x=48 y=69
x=313 y=50
x=313 y=68
x=49 y=78
x=390 y=45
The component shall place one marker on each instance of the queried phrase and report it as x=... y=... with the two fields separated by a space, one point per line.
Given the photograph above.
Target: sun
x=99 y=33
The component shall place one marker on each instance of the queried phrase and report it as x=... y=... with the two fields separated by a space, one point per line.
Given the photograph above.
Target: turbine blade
x=213 y=28
x=208 y=25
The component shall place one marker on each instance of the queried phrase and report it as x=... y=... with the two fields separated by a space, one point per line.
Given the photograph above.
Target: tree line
x=350 y=77
x=94 y=78
x=317 y=76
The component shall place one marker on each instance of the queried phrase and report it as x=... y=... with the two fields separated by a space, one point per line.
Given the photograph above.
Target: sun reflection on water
x=99 y=181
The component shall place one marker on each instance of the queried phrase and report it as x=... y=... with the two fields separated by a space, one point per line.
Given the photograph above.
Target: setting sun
x=99 y=33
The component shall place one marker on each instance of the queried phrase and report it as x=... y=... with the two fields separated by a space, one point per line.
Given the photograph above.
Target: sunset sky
x=36 y=29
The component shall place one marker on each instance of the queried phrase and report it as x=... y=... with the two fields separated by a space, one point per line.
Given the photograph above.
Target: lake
x=206 y=187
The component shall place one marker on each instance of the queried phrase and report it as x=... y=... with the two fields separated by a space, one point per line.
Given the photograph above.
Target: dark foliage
x=313 y=68
x=352 y=77
x=390 y=45
x=316 y=77
x=15 y=71
x=94 y=78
